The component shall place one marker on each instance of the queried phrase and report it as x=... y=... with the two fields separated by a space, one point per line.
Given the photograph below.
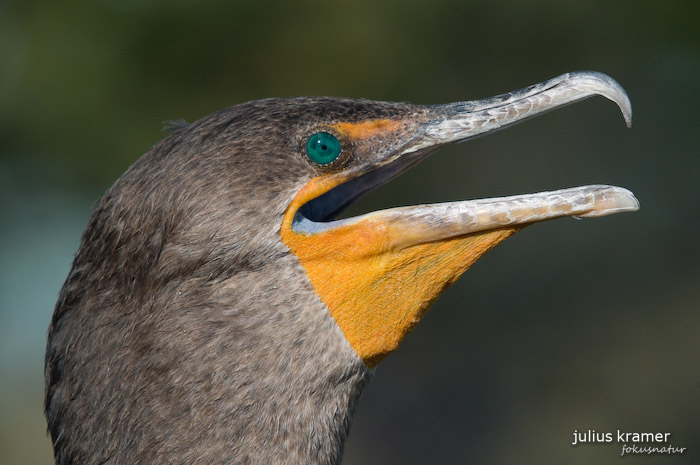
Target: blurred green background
x=569 y=325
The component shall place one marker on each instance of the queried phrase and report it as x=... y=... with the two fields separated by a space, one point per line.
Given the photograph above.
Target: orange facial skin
x=367 y=129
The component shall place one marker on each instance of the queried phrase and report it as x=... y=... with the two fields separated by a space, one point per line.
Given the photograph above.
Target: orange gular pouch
x=376 y=283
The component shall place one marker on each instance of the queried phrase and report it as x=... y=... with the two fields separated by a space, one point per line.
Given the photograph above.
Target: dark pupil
x=324 y=147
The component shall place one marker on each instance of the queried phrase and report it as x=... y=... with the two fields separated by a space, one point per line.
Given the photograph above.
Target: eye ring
x=323 y=148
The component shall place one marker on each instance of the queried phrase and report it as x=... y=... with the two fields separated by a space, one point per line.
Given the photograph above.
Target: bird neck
x=238 y=369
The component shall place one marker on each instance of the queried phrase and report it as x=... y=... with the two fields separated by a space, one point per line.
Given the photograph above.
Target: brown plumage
x=186 y=331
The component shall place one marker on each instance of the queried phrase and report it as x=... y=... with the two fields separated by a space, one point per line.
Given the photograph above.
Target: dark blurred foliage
x=567 y=326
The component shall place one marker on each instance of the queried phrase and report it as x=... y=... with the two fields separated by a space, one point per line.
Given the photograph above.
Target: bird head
x=270 y=177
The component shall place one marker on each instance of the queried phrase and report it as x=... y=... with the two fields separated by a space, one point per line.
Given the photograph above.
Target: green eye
x=323 y=148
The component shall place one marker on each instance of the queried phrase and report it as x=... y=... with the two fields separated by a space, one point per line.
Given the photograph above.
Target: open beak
x=458 y=122
x=377 y=273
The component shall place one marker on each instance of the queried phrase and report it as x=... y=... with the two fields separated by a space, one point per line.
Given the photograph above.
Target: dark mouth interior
x=320 y=213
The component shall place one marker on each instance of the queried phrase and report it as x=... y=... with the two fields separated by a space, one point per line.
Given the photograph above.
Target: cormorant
x=217 y=312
